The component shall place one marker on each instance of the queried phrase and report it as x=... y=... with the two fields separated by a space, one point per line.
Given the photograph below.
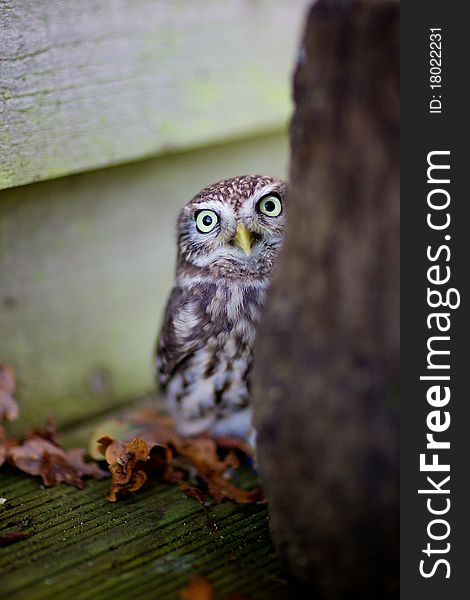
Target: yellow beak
x=243 y=239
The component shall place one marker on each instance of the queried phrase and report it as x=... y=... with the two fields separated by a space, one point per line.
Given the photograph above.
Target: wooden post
x=326 y=362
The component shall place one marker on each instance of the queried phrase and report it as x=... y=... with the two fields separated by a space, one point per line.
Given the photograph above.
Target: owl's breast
x=216 y=310
x=237 y=307
x=216 y=327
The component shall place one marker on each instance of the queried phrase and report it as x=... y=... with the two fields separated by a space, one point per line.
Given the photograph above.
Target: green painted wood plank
x=86 y=263
x=100 y=82
x=146 y=546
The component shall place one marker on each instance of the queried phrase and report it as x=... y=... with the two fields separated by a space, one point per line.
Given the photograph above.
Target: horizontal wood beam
x=145 y=546
x=100 y=82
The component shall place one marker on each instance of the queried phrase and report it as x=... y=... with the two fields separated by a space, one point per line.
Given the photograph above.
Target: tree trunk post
x=325 y=378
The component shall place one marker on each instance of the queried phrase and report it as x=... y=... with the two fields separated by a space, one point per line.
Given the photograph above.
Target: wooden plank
x=86 y=263
x=146 y=546
x=326 y=375
x=99 y=82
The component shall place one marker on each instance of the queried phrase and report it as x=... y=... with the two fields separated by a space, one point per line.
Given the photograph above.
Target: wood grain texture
x=147 y=546
x=99 y=82
x=326 y=367
x=86 y=263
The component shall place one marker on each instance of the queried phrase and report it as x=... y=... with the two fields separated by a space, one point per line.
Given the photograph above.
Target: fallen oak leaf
x=8 y=405
x=136 y=481
x=173 y=458
x=202 y=453
x=40 y=457
x=75 y=458
x=198 y=588
x=48 y=434
x=233 y=443
x=144 y=424
x=128 y=463
x=192 y=492
x=159 y=455
x=220 y=490
x=40 y=454
x=122 y=459
x=114 y=428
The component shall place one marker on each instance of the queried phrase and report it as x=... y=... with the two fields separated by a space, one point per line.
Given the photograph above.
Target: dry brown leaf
x=49 y=433
x=202 y=453
x=158 y=449
x=191 y=491
x=37 y=456
x=220 y=490
x=8 y=406
x=40 y=455
x=144 y=424
x=198 y=588
x=129 y=462
x=232 y=443
x=123 y=460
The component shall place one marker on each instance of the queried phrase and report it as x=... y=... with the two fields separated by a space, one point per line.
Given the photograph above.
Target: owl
x=229 y=236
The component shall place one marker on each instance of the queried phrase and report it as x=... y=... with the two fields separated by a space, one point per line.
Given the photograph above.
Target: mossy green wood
x=86 y=263
x=147 y=546
x=100 y=82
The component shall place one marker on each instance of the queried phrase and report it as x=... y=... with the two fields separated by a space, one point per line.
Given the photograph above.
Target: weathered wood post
x=326 y=362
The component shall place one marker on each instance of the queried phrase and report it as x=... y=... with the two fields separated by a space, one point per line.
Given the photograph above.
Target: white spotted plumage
x=205 y=347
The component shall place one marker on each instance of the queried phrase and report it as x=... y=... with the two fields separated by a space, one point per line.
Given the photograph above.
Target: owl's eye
x=270 y=205
x=206 y=220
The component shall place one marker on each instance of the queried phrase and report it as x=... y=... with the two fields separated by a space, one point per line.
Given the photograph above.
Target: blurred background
x=113 y=115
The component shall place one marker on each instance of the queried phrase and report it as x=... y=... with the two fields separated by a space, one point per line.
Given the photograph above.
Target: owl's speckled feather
x=204 y=351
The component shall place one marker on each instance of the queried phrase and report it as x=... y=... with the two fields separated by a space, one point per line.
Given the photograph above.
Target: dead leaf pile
x=201 y=466
x=202 y=453
x=40 y=454
x=137 y=445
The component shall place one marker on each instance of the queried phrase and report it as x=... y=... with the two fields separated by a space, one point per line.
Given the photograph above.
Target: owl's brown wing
x=173 y=349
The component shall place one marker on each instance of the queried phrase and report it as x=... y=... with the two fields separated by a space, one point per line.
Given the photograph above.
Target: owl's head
x=233 y=228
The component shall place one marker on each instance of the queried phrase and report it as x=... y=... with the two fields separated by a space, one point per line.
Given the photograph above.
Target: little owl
x=229 y=236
